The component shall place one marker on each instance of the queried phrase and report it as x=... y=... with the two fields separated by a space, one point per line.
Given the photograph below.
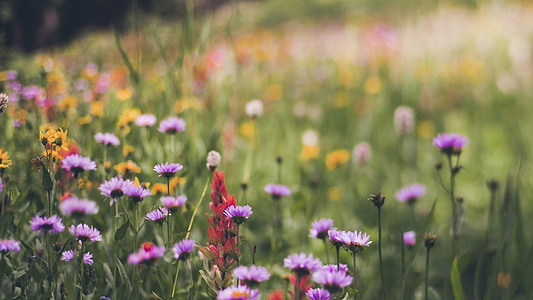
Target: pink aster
x=411 y=193
x=277 y=190
x=9 y=245
x=238 y=214
x=173 y=203
x=238 y=293
x=85 y=233
x=183 y=249
x=318 y=294
x=331 y=279
x=145 y=120
x=302 y=264
x=158 y=215
x=409 y=239
x=171 y=125
x=251 y=276
x=320 y=228
x=76 y=164
x=114 y=188
x=167 y=170
x=136 y=193
x=450 y=143
x=356 y=240
x=51 y=224
x=107 y=139
x=147 y=255
x=69 y=255
x=78 y=207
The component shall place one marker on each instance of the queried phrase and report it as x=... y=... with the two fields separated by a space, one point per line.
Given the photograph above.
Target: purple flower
x=361 y=153
x=30 y=92
x=157 y=215
x=136 y=193
x=318 y=294
x=51 y=224
x=183 y=249
x=337 y=237
x=1 y=185
x=277 y=190
x=173 y=203
x=302 y=264
x=450 y=143
x=238 y=293
x=85 y=233
x=147 y=255
x=167 y=170
x=331 y=268
x=320 y=228
x=114 y=188
x=78 y=207
x=409 y=239
x=76 y=164
x=9 y=245
x=356 y=240
x=107 y=139
x=69 y=255
x=332 y=279
x=145 y=120
x=411 y=193
x=171 y=125
x=252 y=276
x=238 y=214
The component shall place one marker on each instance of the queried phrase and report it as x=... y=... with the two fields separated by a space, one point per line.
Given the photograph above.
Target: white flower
x=213 y=160
x=254 y=108
x=403 y=120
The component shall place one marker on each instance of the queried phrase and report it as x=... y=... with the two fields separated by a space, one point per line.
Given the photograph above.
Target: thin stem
x=354 y=272
x=403 y=265
x=454 y=204
x=338 y=257
x=298 y=283
x=379 y=252
x=115 y=254
x=49 y=193
x=427 y=272
x=191 y=283
x=326 y=249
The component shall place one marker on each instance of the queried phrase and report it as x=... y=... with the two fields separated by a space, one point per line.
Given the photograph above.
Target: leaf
x=208 y=280
x=48 y=185
x=206 y=252
x=455 y=278
x=124 y=276
x=28 y=248
x=109 y=275
x=121 y=231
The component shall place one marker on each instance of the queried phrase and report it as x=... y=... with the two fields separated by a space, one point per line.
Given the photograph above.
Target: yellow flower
x=4 y=159
x=127 y=118
x=274 y=92
x=67 y=103
x=373 y=85
x=336 y=158
x=188 y=103
x=334 y=193
x=123 y=94
x=84 y=120
x=426 y=129
x=127 y=167
x=60 y=138
x=127 y=150
x=504 y=280
x=162 y=187
x=97 y=109
x=309 y=152
x=247 y=129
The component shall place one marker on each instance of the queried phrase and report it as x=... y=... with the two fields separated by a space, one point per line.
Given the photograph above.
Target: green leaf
x=455 y=278
x=48 y=185
x=109 y=275
x=121 y=231
x=28 y=248
x=124 y=276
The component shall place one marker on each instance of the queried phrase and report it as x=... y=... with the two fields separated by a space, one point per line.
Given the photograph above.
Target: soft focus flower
x=355 y=241
x=277 y=190
x=411 y=193
x=173 y=203
x=4 y=159
x=145 y=120
x=76 y=164
x=167 y=170
x=318 y=294
x=183 y=249
x=238 y=214
x=450 y=143
x=403 y=120
x=147 y=255
x=1 y=185
x=320 y=228
x=171 y=125
x=361 y=154
x=409 y=239
x=254 y=108
x=157 y=215
x=238 y=293
x=51 y=224
x=135 y=192
x=213 y=160
x=302 y=264
x=107 y=139
x=9 y=245
x=85 y=233
x=252 y=276
x=337 y=237
x=336 y=158
x=4 y=100
x=78 y=207
x=429 y=240
x=127 y=168
x=69 y=255
x=331 y=279
x=114 y=188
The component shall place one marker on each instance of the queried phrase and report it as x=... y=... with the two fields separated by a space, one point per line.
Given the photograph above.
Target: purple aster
x=356 y=240
x=301 y=264
x=331 y=279
x=238 y=293
x=238 y=214
x=173 y=203
x=76 y=164
x=183 y=249
x=337 y=237
x=51 y=224
x=145 y=120
x=252 y=276
x=85 y=233
x=171 y=125
x=9 y=245
x=320 y=228
x=69 y=255
x=331 y=268
x=78 y=207
x=318 y=294
x=277 y=190
x=107 y=139
x=147 y=255
x=409 y=239
x=450 y=143
x=114 y=188
x=167 y=170
x=136 y=193
x=157 y=215
x=411 y=193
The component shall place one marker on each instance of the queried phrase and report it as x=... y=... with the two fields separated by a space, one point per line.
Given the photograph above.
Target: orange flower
x=337 y=158
x=127 y=167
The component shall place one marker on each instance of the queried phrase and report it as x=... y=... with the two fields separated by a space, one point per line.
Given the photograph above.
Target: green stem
x=191 y=283
x=427 y=272
x=298 y=283
x=454 y=205
x=403 y=265
x=379 y=252
x=354 y=272
x=338 y=257
x=326 y=250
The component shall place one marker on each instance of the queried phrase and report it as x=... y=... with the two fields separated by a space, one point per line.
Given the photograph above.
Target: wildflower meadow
x=271 y=150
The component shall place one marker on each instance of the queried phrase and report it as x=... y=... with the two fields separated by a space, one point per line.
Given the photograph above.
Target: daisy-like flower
x=85 y=233
x=332 y=279
x=238 y=293
x=238 y=214
x=107 y=139
x=409 y=239
x=355 y=241
x=450 y=143
x=411 y=193
x=252 y=276
x=213 y=160
x=403 y=120
x=320 y=228
x=4 y=159
x=302 y=264
x=136 y=193
x=51 y=224
x=173 y=203
x=149 y=254
x=361 y=154
x=69 y=255
x=337 y=238
x=318 y=294
x=277 y=190
x=145 y=120
x=9 y=245
x=167 y=170
x=76 y=164
x=78 y=207
x=114 y=188
x=158 y=215
x=254 y=108
x=183 y=249
x=171 y=125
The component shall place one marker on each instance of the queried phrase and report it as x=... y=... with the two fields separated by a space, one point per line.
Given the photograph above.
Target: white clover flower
x=213 y=160
x=254 y=108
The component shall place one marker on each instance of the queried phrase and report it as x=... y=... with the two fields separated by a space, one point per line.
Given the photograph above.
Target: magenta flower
x=157 y=215
x=78 y=207
x=331 y=279
x=252 y=276
x=183 y=249
x=318 y=294
x=173 y=203
x=333 y=268
x=167 y=170
x=145 y=120
x=69 y=255
x=136 y=193
x=450 y=143
x=411 y=193
x=107 y=139
x=1 y=185
x=320 y=228
x=76 y=164
x=301 y=264
x=85 y=233
x=356 y=240
x=238 y=293
x=409 y=239
x=277 y=190
x=238 y=214
x=147 y=255
x=171 y=125
x=114 y=188
x=337 y=237
x=9 y=245
x=51 y=224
